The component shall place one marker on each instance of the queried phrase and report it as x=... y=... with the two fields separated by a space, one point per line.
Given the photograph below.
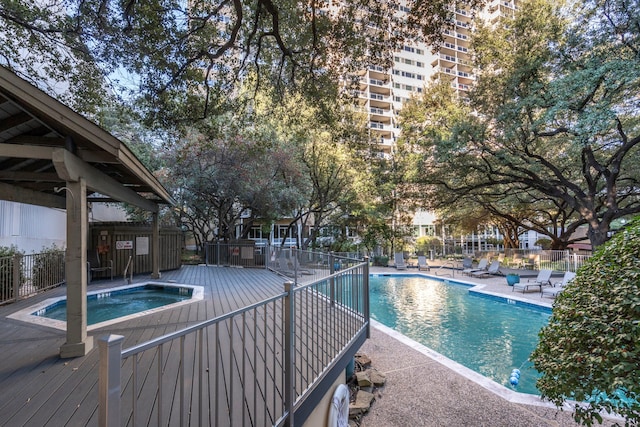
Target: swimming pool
x=109 y=306
x=489 y=335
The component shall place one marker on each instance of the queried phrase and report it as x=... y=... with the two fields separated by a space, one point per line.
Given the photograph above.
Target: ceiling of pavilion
x=35 y=129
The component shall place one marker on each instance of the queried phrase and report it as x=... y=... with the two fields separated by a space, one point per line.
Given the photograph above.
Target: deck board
x=38 y=388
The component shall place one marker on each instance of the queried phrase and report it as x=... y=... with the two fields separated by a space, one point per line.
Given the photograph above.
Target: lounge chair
x=493 y=270
x=558 y=287
x=467 y=262
x=422 y=263
x=282 y=267
x=300 y=269
x=516 y=261
x=482 y=266
x=543 y=279
x=398 y=258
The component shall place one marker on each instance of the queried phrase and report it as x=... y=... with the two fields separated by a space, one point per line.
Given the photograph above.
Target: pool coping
x=26 y=314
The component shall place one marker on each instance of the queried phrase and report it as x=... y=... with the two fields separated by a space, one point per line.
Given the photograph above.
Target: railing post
x=110 y=348
x=218 y=253
x=17 y=270
x=332 y=282
x=206 y=254
x=289 y=359
x=365 y=292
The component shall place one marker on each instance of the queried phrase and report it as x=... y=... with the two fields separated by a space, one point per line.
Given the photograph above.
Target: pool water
x=113 y=304
x=485 y=334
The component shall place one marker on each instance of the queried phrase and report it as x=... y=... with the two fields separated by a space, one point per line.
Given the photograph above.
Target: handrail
x=193 y=328
x=242 y=352
x=450 y=265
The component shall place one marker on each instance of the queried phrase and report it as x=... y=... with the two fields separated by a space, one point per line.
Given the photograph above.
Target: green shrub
x=48 y=268
x=589 y=352
x=381 y=261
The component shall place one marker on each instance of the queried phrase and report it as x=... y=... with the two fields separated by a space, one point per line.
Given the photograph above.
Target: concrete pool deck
x=422 y=391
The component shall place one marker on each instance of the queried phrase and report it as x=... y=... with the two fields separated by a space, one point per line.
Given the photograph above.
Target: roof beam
x=23 y=195
x=26 y=151
x=71 y=168
x=29 y=176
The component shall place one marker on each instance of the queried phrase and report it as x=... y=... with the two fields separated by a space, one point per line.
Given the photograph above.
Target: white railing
x=536 y=259
x=254 y=366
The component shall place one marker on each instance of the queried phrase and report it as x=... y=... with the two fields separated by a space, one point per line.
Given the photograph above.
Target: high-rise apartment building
x=382 y=92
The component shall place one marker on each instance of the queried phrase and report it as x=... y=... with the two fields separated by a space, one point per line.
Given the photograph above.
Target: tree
x=589 y=351
x=183 y=56
x=224 y=174
x=551 y=117
x=560 y=123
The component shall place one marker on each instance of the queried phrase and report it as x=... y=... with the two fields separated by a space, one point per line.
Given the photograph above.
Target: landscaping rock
x=377 y=378
x=362 y=403
x=362 y=359
x=363 y=379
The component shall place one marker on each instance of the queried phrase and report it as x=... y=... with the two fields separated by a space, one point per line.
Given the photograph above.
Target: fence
x=241 y=253
x=254 y=366
x=306 y=266
x=539 y=259
x=24 y=275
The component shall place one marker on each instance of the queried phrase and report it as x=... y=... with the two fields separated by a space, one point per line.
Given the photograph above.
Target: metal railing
x=557 y=260
x=22 y=276
x=252 y=367
x=304 y=266
x=237 y=254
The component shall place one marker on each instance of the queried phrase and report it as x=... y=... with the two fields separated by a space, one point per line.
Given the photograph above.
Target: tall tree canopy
x=189 y=53
x=555 y=117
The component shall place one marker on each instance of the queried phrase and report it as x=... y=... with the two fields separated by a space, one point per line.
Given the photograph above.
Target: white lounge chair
x=398 y=258
x=422 y=263
x=299 y=269
x=543 y=279
x=558 y=287
x=494 y=269
x=282 y=267
x=482 y=266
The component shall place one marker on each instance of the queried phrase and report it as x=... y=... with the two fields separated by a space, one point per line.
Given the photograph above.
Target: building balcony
x=380 y=114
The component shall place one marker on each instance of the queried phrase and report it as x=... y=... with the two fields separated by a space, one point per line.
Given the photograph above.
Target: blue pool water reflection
x=484 y=334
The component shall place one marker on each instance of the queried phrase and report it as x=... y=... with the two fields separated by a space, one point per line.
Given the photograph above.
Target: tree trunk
x=598 y=234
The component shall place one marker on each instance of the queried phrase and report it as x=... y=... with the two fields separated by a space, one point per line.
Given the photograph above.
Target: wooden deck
x=37 y=388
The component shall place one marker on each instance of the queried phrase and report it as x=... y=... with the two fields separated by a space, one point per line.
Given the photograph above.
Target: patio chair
x=558 y=287
x=298 y=268
x=493 y=270
x=282 y=267
x=482 y=266
x=543 y=279
x=398 y=258
x=467 y=262
x=94 y=265
x=422 y=263
x=516 y=261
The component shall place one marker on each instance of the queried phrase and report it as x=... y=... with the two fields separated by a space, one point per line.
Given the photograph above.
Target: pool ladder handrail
x=452 y=268
x=130 y=273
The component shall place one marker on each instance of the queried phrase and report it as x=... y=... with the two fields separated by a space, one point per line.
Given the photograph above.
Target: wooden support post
x=78 y=343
